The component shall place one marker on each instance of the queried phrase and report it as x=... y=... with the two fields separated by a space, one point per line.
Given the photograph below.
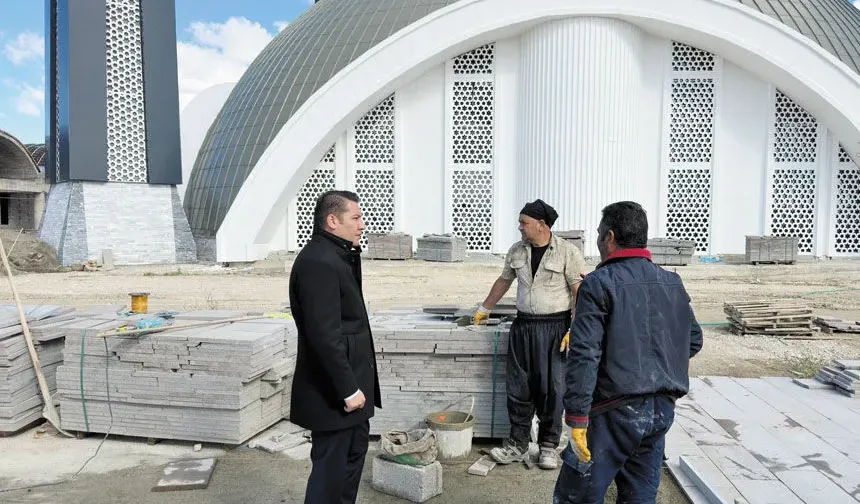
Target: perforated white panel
x=793 y=205
x=847 y=218
x=476 y=61
x=690 y=59
x=692 y=119
x=126 y=128
x=473 y=122
x=374 y=134
x=473 y=207
x=795 y=132
x=843 y=155
x=375 y=189
x=689 y=209
x=321 y=180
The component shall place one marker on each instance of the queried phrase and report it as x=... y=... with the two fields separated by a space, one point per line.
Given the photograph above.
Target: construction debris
x=426 y=362
x=219 y=383
x=771 y=318
x=482 y=466
x=842 y=375
x=833 y=325
x=389 y=246
x=444 y=248
x=671 y=251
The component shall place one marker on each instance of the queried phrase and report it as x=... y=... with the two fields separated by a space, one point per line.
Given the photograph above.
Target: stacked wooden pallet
x=221 y=383
x=426 y=362
x=833 y=325
x=843 y=375
x=771 y=318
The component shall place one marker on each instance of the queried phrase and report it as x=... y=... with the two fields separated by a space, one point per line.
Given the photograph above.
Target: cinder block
x=416 y=484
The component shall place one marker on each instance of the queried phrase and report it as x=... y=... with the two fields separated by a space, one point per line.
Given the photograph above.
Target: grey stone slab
x=186 y=475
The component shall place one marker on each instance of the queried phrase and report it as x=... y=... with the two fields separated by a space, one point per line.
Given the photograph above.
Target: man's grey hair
x=331 y=202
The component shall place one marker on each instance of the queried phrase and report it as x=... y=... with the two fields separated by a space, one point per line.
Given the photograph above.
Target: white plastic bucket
x=453 y=430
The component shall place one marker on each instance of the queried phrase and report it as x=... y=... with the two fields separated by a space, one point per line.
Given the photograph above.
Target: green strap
x=83 y=401
x=493 y=406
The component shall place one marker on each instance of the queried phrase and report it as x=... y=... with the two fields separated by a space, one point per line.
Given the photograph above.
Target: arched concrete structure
x=15 y=159
x=774 y=52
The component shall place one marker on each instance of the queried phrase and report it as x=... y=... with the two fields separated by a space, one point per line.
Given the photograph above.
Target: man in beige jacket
x=548 y=271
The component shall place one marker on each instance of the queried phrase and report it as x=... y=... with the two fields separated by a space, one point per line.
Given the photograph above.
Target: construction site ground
x=126 y=469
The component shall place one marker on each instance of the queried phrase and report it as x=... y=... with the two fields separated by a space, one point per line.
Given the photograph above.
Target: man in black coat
x=336 y=386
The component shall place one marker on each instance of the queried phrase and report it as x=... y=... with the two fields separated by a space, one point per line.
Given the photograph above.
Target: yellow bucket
x=139 y=301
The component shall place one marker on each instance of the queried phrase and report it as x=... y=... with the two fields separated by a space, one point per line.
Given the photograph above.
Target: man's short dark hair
x=627 y=219
x=331 y=202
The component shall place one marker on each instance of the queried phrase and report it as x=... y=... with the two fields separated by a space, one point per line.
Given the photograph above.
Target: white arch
x=814 y=78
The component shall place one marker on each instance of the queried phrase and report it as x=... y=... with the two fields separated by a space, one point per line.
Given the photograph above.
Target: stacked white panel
x=792 y=186
x=692 y=109
x=373 y=163
x=470 y=139
x=126 y=121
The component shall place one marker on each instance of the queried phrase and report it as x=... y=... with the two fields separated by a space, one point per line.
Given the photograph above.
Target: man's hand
x=355 y=403
x=579 y=444
x=481 y=314
x=565 y=343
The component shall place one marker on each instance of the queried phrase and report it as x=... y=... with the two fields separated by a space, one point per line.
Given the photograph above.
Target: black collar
x=345 y=246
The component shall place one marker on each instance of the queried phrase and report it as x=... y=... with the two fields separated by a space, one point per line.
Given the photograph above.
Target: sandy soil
x=831 y=287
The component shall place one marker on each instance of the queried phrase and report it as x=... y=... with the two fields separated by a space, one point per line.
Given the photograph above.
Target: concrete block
x=416 y=484
x=482 y=466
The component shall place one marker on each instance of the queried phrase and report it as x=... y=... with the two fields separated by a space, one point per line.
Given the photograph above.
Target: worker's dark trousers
x=535 y=376
x=626 y=445
x=338 y=459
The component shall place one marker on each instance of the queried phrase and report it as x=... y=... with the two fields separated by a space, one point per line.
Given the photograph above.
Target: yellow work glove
x=565 y=343
x=481 y=314
x=579 y=444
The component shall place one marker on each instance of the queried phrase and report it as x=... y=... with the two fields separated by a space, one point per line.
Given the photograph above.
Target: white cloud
x=280 y=25
x=857 y=3
x=30 y=101
x=217 y=53
x=26 y=46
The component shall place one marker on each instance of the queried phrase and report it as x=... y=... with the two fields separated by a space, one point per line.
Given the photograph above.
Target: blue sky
x=216 y=40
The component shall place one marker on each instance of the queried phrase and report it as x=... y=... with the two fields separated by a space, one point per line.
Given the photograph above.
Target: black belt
x=546 y=316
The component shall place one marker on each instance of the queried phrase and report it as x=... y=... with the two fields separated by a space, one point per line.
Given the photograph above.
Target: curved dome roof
x=15 y=159
x=37 y=152
x=333 y=33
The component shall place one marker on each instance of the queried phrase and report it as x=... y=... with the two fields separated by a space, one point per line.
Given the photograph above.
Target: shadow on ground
x=251 y=476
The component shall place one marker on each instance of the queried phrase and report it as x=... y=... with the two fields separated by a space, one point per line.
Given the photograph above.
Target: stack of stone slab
x=389 y=246
x=574 y=236
x=443 y=248
x=21 y=400
x=843 y=375
x=426 y=362
x=221 y=383
x=771 y=249
x=671 y=251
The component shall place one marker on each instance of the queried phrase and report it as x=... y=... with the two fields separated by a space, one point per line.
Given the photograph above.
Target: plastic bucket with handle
x=453 y=430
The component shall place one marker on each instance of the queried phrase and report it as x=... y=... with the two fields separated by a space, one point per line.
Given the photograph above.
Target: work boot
x=509 y=453
x=548 y=459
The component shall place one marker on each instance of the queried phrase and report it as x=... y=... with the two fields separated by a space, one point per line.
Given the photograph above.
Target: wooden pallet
x=771 y=318
x=833 y=325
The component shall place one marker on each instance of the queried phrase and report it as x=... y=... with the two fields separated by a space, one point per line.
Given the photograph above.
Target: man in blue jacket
x=630 y=346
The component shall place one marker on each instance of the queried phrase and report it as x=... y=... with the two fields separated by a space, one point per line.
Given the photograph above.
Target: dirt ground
x=126 y=472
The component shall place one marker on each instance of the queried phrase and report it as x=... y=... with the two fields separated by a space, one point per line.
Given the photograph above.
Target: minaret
x=112 y=132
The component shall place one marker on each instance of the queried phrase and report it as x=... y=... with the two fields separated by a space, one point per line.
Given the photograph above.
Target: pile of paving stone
x=21 y=400
x=441 y=248
x=220 y=383
x=843 y=375
x=389 y=246
x=427 y=361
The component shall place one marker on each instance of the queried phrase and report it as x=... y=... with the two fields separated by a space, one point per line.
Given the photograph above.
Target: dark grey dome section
x=15 y=159
x=333 y=33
